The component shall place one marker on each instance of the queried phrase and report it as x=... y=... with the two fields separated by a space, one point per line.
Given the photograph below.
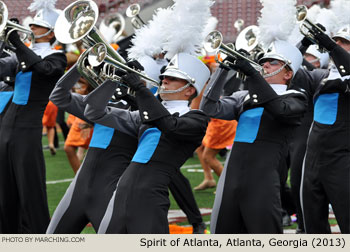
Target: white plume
x=327 y=18
x=149 y=39
x=185 y=27
x=313 y=12
x=26 y=21
x=42 y=4
x=277 y=20
x=210 y=26
x=295 y=36
x=341 y=9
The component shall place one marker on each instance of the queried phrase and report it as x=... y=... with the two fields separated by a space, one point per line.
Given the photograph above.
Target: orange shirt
x=219 y=134
x=78 y=135
x=50 y=114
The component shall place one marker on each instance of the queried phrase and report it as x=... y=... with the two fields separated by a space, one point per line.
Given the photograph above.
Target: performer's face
x=345 y=44
x=39 y=30
x=272 y=65
x=173 y=83
x=312 y=60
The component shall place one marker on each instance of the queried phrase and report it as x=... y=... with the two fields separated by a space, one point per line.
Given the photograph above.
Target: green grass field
x=58 y=168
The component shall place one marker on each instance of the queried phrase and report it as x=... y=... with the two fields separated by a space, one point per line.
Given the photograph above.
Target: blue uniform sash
x=326 y=108
x=248 y=125
x=22 y=88
x=147 y=145
x=5 y=97
x=101 y=136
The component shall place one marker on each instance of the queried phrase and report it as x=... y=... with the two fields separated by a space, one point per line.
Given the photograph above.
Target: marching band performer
x=326 y=169
x=109 y=153
x=150 y=41
x=168 y=134
x=23 y=201
x=248 y=193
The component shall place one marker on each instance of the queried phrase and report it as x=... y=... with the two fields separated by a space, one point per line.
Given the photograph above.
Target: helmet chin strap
x=163 y=91
x=43 y=35
x=275 y=72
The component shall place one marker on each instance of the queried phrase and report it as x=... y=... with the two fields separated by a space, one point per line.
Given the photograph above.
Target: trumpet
x=133 y=12
x=7 y=24
x=77 y=22
x=91 y=59
x=213 y=43
x=86 y=66
x=307 y=28
x=247 y=40
x=238 y=24
x=117 y=22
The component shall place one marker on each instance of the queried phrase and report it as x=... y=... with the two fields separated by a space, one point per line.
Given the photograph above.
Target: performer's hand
x=13 y=37
x=133 y=80
x=324 y=40
x=14 y=20
x=244 y=67
x=306 y=42
x=135 y=65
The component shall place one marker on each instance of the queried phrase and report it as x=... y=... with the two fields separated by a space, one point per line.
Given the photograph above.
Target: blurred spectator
x=80 y=132
x=49 y=123
x=219 y=135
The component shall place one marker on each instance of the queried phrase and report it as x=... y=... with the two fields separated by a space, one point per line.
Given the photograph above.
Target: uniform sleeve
x=64 y=98
x=341 y=60
x=226 y=108
x=8 y=68
x=189 y=127
x=289 y=107
x=97 y=111
x=52 y=65
x=184 y=128
x=309 y=81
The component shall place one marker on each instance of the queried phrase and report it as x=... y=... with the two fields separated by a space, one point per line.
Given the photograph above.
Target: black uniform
x=308 y=81
x=110 y=152
x=23 y=200
x=165 y=142
x=248 y=193
x=6 y=93
x=326 y=171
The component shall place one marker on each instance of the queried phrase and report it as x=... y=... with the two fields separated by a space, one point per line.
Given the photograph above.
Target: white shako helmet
x=323 y=58
x=46 y=14
x=286 y=52
x=343 y=32
x=190 y=68
x=151 y=68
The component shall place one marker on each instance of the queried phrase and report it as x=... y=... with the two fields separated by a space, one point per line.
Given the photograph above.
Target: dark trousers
x=181 y=189
x=326 y=175
x=141 y=201
x=87 y=197
x=23 y=199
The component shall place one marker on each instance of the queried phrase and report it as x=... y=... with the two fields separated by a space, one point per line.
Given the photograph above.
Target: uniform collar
x=176 y=106
x=43 y=45
x=43 y=49
x=279 y=88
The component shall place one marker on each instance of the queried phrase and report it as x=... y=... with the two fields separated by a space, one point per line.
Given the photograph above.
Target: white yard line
x=59 y=181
